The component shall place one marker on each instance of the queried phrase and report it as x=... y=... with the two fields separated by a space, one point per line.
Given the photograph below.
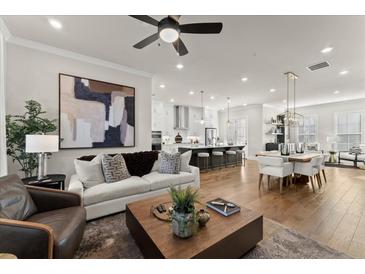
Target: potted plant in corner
x=184 y=218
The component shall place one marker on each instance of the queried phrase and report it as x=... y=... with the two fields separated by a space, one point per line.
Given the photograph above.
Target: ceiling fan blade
x=180 y=47
x=175 y=17
x=145 y=18
x=201 y=28
x=145 y=42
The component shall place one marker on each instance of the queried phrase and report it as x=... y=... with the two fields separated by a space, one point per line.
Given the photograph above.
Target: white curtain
x=3 y=158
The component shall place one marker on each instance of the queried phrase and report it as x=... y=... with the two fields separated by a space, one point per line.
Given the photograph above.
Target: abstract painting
x=95 y=114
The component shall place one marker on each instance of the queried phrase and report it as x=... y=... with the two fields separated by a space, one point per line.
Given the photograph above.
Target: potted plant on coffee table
x=184 y=218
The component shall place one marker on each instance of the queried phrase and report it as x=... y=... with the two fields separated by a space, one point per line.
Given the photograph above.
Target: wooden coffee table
x=222 y=237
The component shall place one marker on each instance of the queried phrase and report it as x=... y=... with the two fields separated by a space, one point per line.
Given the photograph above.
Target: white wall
x=33 y=74
x=254 y=115
x=326 y=117
x=3 y=162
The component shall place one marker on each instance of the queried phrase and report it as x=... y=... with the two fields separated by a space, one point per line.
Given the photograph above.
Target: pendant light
x=202 y=107
x=228 y=102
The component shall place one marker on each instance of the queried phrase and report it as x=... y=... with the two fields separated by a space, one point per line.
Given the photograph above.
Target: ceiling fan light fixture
x=169 y=35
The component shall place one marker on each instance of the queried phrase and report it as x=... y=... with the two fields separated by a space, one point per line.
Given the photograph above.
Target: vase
x=203 y=217
x=183 y=224
x=178 y=138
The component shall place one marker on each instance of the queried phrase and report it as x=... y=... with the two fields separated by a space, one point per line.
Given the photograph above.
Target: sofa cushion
x=158 y=180
x=347 y=156
x=90 y=173
x=170 y=163
x=185 y=161
x=68 y=225
x=114 y=168
x=15 y=201
x=138 y=163
x=105 y=192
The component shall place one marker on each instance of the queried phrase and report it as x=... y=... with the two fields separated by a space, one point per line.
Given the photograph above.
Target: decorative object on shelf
x=203 y=217
x=43 y=145
x=184 y=218
x=202 y=107
x=178 y=138
x=95 y=114
x=292 y=119
x=18 y=126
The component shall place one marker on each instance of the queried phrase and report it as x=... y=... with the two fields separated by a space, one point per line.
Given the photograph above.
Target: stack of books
x=223 y=207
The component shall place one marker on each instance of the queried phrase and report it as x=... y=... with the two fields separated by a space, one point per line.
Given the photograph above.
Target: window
x=307 y=132
x=348 y=130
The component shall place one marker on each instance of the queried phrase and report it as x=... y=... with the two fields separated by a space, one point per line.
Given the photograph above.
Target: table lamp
x=41 y=144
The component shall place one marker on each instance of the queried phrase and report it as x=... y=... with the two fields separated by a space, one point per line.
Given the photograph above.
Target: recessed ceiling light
x=191 y=92
x=327 y=49
x=244 y=79
x=162 y=86
x=244 y=105
x=180 y=66
x=211 y=97
x=344 y=72
x=336 y=92
x=172 y=100
x=272 y=90
x=55 y=23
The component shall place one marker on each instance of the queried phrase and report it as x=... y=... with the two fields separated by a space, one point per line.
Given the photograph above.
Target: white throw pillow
x=90 y=173
x=184 y=161
x=157 y=163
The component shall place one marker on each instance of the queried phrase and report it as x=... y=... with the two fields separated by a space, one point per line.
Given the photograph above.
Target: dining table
x=305 y=157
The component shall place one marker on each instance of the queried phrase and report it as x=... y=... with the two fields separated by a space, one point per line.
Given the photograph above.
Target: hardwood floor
x=334 y=215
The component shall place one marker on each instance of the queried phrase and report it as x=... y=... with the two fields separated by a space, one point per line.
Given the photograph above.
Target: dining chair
x=310 y=169
x=322 y=166
x=274 y=166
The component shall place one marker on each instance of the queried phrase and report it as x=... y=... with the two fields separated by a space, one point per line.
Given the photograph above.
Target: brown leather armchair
x=54 y=231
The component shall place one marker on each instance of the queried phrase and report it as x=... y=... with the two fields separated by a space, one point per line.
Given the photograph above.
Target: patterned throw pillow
x=114 y=168
x=170 y=163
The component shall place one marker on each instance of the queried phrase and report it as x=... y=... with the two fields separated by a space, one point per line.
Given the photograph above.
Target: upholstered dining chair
x=310 y=169
x=274 y=166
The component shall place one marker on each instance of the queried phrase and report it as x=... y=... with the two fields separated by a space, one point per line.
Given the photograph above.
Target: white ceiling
x=261 y=48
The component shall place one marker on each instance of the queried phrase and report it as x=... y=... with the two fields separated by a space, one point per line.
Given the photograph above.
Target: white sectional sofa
x=107 y=198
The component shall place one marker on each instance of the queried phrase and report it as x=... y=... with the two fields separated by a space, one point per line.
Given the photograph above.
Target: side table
x=56 y=181
x=333 y=158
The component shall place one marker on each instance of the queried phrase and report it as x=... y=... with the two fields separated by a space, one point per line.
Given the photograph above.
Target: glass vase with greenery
x=18 y=126
x=184 y=218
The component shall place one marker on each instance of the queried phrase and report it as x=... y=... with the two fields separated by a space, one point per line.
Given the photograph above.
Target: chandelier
x=291 y=117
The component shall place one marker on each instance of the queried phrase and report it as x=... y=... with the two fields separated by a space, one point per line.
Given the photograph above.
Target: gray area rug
x=109 y=238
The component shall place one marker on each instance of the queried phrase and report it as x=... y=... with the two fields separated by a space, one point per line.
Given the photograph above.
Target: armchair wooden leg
x=311 y=179
x=324 y=176
x=260 y=180
x=268 y=182
x=281 y=185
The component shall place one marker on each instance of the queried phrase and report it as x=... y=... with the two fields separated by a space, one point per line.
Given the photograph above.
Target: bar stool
x=232 y=154
x=205 y=157
x=217 y=155
x=240 y=153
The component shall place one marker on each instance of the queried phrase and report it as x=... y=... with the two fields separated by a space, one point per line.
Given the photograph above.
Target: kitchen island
x=209 y=149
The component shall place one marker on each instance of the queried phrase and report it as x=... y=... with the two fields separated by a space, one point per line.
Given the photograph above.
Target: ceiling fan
x=169 y=29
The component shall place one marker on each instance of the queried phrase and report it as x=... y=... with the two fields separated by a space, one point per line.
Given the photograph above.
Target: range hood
x=181 y=117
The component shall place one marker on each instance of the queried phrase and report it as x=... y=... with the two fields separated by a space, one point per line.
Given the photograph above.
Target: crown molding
x=73 y=55
x=66 y=53
x=4 y=30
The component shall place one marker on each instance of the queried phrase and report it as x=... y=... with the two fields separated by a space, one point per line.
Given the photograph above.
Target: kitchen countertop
x=207 y=147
